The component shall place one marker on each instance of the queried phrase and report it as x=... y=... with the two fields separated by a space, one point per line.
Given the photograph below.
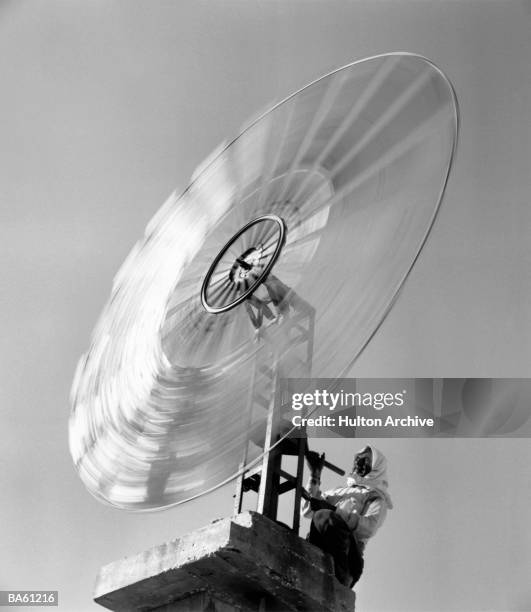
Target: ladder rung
x=251 y=478
x=285 y=487
x=287 y=476
x=251 y=483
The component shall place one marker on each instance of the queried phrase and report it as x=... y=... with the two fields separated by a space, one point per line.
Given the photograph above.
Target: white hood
x=377 y=478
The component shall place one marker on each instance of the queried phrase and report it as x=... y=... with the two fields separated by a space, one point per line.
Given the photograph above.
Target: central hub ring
x=243 y=263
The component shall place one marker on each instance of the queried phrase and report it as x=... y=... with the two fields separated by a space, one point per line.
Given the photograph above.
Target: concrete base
x=246 y=563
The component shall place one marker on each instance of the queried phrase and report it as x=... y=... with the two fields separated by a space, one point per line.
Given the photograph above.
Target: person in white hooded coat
x=344 y=518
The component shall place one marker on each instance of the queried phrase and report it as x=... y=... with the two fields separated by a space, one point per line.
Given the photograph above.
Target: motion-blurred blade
x=318 y=208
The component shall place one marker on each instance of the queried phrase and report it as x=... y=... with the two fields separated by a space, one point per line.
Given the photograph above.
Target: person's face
x=363 y=462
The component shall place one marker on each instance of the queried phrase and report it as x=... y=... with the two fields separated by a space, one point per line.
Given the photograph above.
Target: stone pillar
x=246 y=563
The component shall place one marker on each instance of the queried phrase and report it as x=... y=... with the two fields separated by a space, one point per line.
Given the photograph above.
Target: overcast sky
x=106 y=108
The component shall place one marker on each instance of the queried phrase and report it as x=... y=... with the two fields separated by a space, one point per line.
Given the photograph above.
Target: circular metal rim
x=280 y=243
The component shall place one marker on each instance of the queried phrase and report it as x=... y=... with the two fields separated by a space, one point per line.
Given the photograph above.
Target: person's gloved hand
x=315 y=463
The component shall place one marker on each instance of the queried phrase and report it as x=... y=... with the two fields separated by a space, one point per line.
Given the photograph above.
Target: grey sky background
x=106 y=108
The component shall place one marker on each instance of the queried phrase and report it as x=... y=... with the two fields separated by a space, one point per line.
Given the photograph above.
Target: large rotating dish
x=323 y=203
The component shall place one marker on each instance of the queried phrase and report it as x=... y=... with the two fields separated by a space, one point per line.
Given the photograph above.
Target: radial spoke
x=399 y=104
x=186 y=283
x=233 y=293
x=327 y=102
x=392 y=154
x=179 y=306
x=250 y=235
x=225 y=263
x=212 y=343
x=199 y=327
x=267 y=235
x=313 y=212
x=268 y=175
x=219 y=292
x=304 y=239
x=380 y=76
x=255 y=232
x=234 y=251
x=223 y=277
x=270 y=244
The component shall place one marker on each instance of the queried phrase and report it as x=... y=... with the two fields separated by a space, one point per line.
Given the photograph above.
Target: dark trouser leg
x=330 y=533
x=355 y=561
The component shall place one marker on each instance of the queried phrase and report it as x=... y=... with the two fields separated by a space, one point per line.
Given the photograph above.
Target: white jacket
x=362 y=504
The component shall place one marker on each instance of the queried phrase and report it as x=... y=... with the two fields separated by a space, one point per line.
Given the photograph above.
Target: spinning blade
x=325 y=201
